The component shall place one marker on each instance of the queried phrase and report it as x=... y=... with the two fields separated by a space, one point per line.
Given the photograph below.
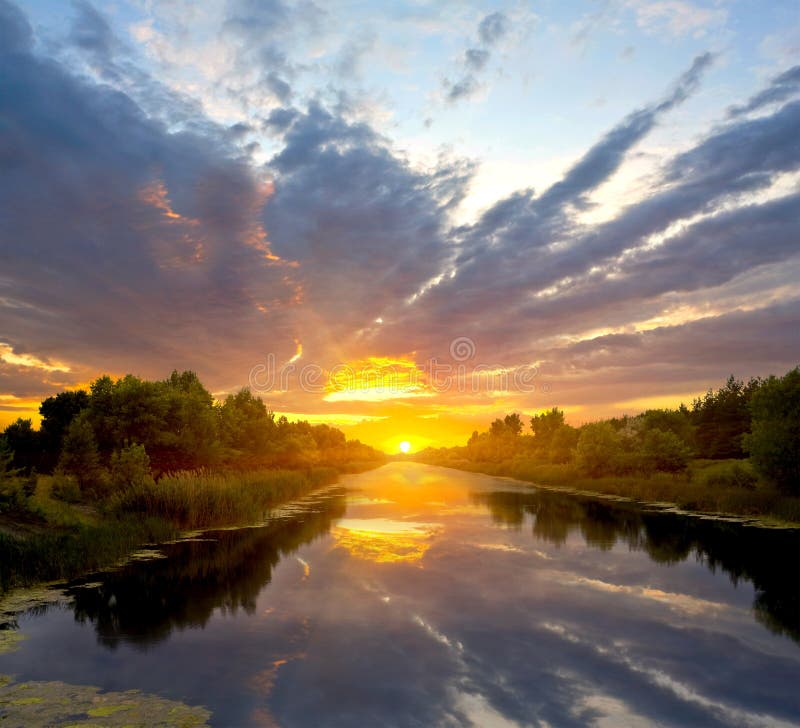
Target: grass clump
x=195 y=499
x=65 y=553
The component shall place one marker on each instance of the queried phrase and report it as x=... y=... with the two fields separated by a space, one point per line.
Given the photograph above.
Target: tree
x=562 y=444
x=545 y=425
x=599 y=449
x=722 y=418
x=24 y=442
x=664 y=451
x=79 y=455
x=57 y=412
x=774 y=440
x=6 y=458
x=130 y=467
x=510 y=425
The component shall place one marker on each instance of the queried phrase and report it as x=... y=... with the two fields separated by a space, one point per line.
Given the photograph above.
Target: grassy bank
x=708 y=486
x=45 y=538
x=201 y=499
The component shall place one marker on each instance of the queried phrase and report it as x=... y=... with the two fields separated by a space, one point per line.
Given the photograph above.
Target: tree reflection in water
x=769 y=558
x=143 y=602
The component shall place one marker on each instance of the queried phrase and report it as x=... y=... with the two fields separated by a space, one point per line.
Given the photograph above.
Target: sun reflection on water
x=384 y=540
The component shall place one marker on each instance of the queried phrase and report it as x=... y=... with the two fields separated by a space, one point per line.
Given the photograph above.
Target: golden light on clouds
x=376 y=379
x=9 y=356
x=384 y=540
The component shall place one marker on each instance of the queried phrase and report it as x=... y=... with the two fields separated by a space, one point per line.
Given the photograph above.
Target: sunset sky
x=597 y=205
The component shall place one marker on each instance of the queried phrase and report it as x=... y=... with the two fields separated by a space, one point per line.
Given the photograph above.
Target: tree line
x=758 y=419
x=129 y=425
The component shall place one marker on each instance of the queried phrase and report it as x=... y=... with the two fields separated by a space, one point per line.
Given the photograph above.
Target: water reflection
x=769 y=558
x=423 y=596
x=385 y=540
x=144 y=602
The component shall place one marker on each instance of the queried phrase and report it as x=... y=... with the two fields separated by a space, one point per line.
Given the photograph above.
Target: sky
x=403 y=218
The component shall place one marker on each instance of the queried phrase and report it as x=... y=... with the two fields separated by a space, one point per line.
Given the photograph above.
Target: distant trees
x=599 y=449
x=545 y=425
x=721 y=419
x=57 y=413
x=123 y=431
x=774 y=442
x=24 y=444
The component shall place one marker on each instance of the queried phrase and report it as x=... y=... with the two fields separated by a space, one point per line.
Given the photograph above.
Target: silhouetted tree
x=24 y=442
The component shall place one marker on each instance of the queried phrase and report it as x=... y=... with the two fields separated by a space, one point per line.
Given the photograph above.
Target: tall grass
x=63 y=554
x=195 y=499
x=69 y=541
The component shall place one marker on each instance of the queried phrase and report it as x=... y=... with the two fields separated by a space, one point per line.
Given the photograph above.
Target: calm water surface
x=420 y=596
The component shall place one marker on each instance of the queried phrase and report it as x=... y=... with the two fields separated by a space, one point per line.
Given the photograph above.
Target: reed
x=196 y=499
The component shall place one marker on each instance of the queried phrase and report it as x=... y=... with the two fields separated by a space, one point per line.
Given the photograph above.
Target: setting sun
x=405 y=446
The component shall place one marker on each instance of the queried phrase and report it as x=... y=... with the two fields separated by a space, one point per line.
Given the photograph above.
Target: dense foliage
x=761 y=417
x=123 y=432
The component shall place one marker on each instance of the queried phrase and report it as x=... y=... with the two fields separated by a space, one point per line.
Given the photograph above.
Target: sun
x=405 y=446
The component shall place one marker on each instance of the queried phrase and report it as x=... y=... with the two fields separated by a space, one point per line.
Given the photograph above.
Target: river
x=412 y=595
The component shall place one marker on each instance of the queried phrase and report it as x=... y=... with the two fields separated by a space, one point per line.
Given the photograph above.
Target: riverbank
x=697 y=491
x=49 y=539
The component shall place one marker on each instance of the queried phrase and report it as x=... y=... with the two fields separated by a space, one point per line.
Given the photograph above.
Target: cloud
x=152 y=239
x=782 y=87
x=476 y=58
x=138 y=234
x=491 y=30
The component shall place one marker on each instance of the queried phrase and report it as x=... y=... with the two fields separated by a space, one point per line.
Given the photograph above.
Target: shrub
x=130 y=467
x=730 y=475
x=65 y=487
x=664 y=451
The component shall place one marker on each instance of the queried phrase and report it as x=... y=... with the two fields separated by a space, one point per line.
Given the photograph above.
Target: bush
x=65 y=487
x=130 y=467
x=729 y=475
x=664 y=451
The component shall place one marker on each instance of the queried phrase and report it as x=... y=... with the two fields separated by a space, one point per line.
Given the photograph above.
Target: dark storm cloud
x=119 y=237
x=782 y=87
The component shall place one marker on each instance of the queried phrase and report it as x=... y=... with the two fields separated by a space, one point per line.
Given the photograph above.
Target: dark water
x=419 y=596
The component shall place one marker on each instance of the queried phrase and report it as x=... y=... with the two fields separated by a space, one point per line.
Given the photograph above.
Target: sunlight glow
x=405 y=446
x=384 y=540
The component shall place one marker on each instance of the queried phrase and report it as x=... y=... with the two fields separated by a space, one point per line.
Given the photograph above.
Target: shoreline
x=68 y=541
x=754 y=520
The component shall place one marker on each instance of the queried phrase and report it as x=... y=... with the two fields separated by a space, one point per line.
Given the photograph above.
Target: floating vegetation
x=9 y=642
x=24 y=600
x=58 y=703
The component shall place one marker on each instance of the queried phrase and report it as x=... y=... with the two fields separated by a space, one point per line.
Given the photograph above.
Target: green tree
x=79 y=454
x=774 y=442
x=246 y=425
x=722 y=418
x=57 y=412
x=544 y=426
x=664 y=451
x=599 y=450
x=130 y=467
x=24 y=442
x=563 y=444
